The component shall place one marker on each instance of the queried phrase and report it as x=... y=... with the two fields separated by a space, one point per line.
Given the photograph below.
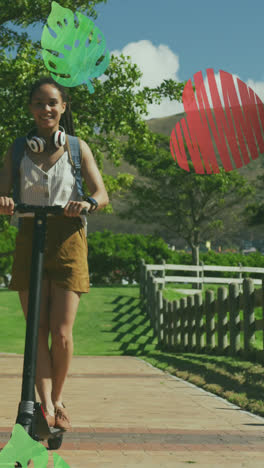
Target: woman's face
x=47 y=106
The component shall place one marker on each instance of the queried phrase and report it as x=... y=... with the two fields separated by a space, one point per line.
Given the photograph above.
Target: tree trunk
x=195 y=254
x=195 y=261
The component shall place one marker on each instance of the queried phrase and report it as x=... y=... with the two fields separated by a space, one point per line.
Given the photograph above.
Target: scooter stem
x=26 y=407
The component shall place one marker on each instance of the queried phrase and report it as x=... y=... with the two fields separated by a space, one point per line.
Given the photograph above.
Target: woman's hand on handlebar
x=74 y=208
x=6 y=206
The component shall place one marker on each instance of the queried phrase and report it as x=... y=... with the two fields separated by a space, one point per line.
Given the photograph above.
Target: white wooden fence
x=238 y=274
x=224 y=322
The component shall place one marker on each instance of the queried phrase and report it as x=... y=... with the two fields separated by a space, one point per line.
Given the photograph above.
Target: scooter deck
x=42 y=429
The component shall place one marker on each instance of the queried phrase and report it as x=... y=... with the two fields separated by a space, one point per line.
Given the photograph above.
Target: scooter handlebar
x=36 y=209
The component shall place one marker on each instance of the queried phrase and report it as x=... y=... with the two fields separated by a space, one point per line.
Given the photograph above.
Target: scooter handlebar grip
x=85 y=212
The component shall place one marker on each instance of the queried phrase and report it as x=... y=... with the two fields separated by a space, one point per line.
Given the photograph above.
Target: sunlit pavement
x=126 y=413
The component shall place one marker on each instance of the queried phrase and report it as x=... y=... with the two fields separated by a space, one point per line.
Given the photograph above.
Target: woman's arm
x=6 y=203
x=92 y=177
x=94 y=182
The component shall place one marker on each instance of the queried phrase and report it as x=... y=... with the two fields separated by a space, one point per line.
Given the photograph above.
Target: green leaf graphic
x=73 y=46
x=21 y=448
x=59 y=462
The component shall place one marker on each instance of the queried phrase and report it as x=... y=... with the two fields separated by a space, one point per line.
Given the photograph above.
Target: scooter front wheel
x=55 y=443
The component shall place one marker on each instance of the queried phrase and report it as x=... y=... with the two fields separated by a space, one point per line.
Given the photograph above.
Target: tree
x=116 y=108
x=190 y=205
x=24 y=13
x=255 y=211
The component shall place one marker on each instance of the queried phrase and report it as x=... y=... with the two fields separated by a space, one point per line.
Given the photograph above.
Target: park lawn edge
x=240 y=368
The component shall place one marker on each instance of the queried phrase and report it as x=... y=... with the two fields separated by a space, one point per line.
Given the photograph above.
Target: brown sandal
x=50 y=419
x=62 y=419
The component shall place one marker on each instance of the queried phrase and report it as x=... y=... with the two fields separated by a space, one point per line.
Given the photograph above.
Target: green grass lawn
x=110 y=322
x=12 y=330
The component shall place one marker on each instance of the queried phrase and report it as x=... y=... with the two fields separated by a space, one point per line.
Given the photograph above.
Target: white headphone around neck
x=39 y=144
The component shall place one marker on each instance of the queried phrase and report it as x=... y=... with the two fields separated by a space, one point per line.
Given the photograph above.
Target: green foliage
x=7 y=244
x=113 y=257
x=25 y=12
x=255 y=213
x=254 y=259
x=192 y=206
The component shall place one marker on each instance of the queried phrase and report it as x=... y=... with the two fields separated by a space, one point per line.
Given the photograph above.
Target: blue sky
x=227 y=34
x=175 y=39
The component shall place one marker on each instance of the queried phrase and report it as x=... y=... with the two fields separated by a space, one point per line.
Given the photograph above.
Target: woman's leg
x=63 y=309
x=43 y=372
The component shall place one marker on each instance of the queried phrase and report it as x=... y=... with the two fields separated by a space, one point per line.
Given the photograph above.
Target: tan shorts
x=65 y=258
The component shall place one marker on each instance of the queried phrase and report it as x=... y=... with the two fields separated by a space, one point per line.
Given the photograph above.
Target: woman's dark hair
x=66 y=120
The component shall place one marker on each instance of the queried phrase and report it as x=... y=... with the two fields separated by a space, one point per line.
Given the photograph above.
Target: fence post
x=210 y=319
x=200 y=286
x=222 y=321
x=249 y=314
x=159 y=311
x=199 y=328
x=148 y=293
x=190 y=318
x=163 y=272
x=170 y=325
x=234 y=309
x=183 y=305
x=142 y=278
x=263 y=313
x=151 y=301
x=240 y=275
x=155 y=307
x=177 y=322
x=165 y=323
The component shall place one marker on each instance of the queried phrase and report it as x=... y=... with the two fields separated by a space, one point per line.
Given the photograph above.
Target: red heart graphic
x=232 y=134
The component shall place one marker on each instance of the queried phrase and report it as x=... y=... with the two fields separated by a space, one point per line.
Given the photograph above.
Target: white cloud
x=157 y=64
x=258 y=87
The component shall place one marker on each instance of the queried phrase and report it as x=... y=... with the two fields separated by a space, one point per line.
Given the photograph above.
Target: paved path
x=127 y=414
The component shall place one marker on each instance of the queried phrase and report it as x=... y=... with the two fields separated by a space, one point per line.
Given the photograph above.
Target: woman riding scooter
x=47 y=177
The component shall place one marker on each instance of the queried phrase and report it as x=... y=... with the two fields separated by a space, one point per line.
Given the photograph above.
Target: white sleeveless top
x=57 y=186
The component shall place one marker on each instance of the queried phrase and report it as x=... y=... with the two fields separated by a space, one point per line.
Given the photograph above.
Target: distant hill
x=164 y=125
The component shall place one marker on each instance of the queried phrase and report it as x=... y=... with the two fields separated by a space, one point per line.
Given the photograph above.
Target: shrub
x=7 y=244
x=116 y=256
x=254 y=259
x=113 y=257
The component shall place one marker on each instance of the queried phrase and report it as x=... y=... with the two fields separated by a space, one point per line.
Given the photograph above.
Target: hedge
x=7 y=244
x=113 y=257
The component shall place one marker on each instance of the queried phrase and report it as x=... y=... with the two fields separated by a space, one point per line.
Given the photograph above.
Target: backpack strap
x=17 y=155
x=75 y=156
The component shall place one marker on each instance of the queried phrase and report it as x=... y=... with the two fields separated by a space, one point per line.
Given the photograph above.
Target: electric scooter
x=30 y=413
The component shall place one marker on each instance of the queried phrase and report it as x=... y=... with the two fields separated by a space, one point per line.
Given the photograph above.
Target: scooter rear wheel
x=55 y=443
